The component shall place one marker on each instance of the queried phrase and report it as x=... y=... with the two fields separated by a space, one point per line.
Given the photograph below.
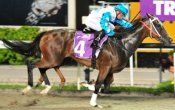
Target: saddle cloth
x=82 y=43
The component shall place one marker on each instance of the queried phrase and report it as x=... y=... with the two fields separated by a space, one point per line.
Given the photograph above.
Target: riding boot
x=87 y=30
x=93 y=61
x=98 y=36
x=95 y=46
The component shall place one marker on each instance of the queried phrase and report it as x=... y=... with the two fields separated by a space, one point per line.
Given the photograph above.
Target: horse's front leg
x=108 y=81
x=100 y=80
x=30 y=77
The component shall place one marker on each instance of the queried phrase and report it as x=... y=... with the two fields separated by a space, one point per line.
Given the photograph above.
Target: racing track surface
x=13 y=100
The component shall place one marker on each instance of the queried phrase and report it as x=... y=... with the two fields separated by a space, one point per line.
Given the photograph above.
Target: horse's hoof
x=92 y=81
x=43 y=93
x=61 y=86
x=37 y=85
x=46 y=90
x=83 y=83
x=89 y=86
x=99 y=106
x=93 y=104
x=26 y=90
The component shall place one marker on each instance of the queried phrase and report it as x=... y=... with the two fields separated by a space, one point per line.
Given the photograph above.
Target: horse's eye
x=156 y=22
x=159 y=25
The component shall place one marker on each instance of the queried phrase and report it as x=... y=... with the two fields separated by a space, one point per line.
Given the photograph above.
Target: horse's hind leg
x=40 y=81
x=42 y=65
x=46 y=80
x=30 y=66
x=41 y=78
x=59 y=73
x=30 y=76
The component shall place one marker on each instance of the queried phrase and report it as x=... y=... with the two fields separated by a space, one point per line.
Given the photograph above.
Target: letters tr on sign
x=163 y=9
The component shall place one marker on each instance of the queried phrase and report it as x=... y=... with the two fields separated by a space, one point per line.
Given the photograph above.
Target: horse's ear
x=139 y=18
x=148 y=15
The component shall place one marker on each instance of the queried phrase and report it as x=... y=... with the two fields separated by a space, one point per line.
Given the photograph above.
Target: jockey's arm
x=104 y=24
x=123 y=23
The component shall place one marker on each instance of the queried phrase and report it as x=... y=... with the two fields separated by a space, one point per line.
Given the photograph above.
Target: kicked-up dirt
x=14 y=100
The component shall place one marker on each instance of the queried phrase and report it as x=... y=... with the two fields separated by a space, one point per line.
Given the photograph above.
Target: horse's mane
x=136 y=23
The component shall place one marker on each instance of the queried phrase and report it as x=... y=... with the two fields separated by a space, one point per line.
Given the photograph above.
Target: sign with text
x=163 y=9
x=34 y=12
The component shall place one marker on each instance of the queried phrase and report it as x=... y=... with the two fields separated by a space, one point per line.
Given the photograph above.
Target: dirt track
x=14 y=100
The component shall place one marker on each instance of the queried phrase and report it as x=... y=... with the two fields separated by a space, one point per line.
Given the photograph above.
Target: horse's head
x=156 y=29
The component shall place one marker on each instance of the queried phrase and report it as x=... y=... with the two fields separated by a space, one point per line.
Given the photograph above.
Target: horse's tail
x=24 y=48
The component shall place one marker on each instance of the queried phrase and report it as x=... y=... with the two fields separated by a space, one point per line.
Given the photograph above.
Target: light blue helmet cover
x=122 y=8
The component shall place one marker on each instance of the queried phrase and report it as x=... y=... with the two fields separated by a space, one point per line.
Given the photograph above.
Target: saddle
x=82 y=44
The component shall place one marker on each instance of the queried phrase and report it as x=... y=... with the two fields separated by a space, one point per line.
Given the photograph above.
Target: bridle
x=152 y=26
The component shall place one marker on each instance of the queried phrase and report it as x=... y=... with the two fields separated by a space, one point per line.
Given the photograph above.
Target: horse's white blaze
x=27 y=89
x=46 y=90
x=152 y=25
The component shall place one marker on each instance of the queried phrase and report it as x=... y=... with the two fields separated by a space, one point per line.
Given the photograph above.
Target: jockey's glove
x=129 y=25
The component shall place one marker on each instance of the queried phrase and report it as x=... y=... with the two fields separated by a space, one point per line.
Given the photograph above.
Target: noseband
x=151 y=27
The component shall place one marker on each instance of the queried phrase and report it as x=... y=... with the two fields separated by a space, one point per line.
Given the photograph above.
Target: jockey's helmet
x=122 y=8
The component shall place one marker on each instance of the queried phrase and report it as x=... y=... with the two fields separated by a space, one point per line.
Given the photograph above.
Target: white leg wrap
x=91 y=87
x=25 y=90
x=93 y=100
x=85 y=85
x=46 y=90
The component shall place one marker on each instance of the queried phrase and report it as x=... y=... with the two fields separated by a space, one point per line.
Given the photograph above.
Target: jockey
x=102 y=20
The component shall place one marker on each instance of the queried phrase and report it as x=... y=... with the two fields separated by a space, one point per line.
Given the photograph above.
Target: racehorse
x=55 y=45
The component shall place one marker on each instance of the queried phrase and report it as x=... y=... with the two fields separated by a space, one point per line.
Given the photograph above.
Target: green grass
x=12 y=86
x=129 y=89
x=165 y=87
x=161 y=88
x=69 y=87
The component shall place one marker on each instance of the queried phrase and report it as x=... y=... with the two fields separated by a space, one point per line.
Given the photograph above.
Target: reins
x=116 y=41
x=135 y=16
x=150 y=28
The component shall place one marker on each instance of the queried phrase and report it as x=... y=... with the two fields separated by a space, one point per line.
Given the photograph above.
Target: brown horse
x=56 y=45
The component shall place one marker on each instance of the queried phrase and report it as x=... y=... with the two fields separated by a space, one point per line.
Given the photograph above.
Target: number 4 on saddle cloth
x=82 y=44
